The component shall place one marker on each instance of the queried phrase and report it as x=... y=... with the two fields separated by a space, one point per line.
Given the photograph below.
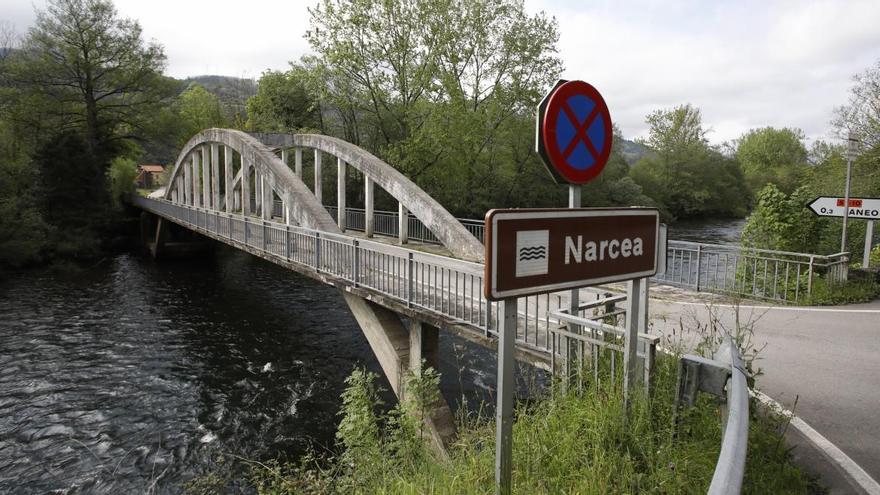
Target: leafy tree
x=285 y=102
x=862 y=114
x=198 y=109
x=780 y=221
x=442 y=89
x=684 y=175
x=675 y=131
x=776 y=156
x=92 y=72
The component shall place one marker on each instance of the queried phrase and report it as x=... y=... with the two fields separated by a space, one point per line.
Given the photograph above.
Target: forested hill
x=633 y=151
x=233 y=92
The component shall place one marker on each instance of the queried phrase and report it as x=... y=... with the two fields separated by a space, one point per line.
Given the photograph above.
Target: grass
x=851 y=292
x=575 y=443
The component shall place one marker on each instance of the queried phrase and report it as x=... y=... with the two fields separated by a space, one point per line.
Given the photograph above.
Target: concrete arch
x=304 y=207
x=437 y=219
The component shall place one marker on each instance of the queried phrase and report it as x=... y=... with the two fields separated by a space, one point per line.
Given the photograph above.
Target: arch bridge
x=239 y=189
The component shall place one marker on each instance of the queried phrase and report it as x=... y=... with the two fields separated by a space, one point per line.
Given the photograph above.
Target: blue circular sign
x=575 y=132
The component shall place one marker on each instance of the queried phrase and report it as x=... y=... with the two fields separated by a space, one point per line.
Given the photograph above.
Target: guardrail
x=723 y=376
x=756 y=273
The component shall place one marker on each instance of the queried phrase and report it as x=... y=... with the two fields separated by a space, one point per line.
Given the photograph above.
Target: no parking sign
x=574 y=132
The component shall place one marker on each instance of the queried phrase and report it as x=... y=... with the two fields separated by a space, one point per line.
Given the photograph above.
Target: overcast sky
x=744 y=63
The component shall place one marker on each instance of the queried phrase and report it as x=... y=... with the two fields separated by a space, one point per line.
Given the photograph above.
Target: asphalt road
x=827 y=358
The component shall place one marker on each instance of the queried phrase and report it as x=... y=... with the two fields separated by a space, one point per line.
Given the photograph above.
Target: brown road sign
x=533 y=251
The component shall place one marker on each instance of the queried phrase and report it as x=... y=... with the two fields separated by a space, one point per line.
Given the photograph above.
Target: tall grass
x=576 y=442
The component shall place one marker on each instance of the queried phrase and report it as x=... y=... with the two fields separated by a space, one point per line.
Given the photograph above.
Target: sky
x=744 y=63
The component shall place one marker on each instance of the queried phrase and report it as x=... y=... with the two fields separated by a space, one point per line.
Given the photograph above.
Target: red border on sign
x=558 y=103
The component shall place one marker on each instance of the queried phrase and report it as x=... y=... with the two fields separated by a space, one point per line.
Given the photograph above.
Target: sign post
x=869 y=236
x=536 y=251
x=851 y=149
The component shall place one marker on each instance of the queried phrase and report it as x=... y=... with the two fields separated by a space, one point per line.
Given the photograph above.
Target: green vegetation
x=686 y=176
x=567 y=443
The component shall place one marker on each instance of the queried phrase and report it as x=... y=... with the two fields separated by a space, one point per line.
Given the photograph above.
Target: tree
x=677 y=130
x=93 y=71
x=442 y=89
x=683 y=174
x=285 y=102
x=770 y=155
x=862 y=115
x=197 y=109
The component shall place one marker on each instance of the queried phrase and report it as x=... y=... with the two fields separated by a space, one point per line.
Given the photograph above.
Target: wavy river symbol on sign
x=532 y=253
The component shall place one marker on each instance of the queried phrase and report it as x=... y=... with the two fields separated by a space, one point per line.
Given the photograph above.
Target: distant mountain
x=233 y=92
x=634 y=151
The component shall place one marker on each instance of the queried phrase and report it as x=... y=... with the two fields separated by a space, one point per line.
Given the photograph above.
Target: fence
x=755 y=273
x=719 y=268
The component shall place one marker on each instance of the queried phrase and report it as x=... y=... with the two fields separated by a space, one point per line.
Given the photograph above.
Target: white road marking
x=779 y=308
x=853 y=471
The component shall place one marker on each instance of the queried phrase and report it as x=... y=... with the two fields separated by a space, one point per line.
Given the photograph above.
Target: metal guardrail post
x=317 y=252
x=265 y=234
x=357 y=262
x=699 y=265
x=810 y=276
x=287 y=242
x=410 y=279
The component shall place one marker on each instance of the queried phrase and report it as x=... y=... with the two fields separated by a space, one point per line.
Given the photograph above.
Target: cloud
x=746 y=64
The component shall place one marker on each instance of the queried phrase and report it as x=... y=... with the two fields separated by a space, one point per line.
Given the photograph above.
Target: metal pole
x=869 y=237
x=851 y=147
x=504 y=407
x=631 y=340
x=574 y=201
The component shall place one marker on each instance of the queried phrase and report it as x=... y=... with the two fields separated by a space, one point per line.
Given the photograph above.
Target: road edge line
x=854 y=473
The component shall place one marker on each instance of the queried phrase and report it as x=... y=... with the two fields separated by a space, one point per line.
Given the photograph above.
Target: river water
x=136 y=376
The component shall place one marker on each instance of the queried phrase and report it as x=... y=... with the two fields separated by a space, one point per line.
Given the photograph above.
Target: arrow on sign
x=827 y=206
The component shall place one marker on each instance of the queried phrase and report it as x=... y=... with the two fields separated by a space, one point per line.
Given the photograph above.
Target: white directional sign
x=826 y=206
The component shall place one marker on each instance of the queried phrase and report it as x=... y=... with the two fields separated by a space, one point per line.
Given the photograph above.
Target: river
x=136 y=375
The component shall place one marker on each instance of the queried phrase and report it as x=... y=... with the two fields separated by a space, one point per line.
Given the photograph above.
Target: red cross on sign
x=574 y=132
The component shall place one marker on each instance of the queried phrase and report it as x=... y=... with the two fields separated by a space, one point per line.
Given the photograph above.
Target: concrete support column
x=298 y=162
x=227 y=175
x=206 y=178
x=245 y=187
x=340 y=193
x=368 y=206
x=402 y=224
x=267 y=199
x=187 y=183
x=258 y=191
x=318 y=178
x=424 y=344
x=284 y=155
x=215 y=176
x=196 y=181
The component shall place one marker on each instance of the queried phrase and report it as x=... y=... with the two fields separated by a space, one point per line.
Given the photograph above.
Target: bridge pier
x=398 y=352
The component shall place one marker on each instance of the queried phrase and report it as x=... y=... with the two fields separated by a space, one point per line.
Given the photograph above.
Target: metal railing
x=718 y=268
x=591 y=334
x=755 y=273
